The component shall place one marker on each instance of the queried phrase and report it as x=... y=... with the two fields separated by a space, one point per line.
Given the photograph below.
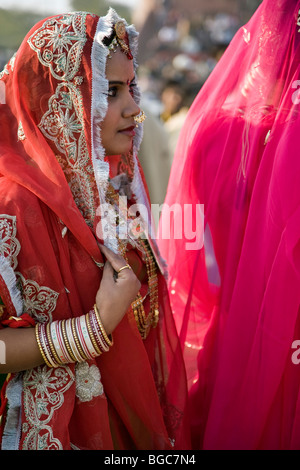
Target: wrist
x=73 y=340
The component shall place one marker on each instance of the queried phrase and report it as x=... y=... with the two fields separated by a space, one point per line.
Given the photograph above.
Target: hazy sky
x=56 y=6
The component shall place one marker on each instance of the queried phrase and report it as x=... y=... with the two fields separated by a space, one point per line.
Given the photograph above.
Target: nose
x=131 y=108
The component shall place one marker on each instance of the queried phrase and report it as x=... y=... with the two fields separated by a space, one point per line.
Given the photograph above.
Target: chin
x=118 y=145
x=118 y=151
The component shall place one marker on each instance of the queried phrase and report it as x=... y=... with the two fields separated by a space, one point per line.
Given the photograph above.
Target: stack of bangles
x=73 y=340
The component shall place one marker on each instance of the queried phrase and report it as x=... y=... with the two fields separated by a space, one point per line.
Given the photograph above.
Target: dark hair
x=109 y=39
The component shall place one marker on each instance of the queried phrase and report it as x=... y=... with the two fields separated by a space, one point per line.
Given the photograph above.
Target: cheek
x=110 y=121
x=106 y=128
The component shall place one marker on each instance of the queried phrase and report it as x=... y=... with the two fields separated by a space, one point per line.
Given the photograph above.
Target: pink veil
x=236 y=298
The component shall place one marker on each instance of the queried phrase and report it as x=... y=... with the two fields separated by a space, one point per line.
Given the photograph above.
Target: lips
x=130 y=131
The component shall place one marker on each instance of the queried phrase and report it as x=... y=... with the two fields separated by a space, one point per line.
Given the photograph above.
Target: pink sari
x=236 y=300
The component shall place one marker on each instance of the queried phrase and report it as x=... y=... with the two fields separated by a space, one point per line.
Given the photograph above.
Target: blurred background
x=180 y=43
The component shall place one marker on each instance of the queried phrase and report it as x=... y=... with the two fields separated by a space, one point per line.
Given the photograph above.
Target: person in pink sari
x=236 y=296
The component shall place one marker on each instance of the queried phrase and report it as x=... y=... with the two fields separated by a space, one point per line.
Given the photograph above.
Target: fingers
x=109 y=273
x=120 y=269
x=116 y=260
x=107 y=270
x=116 y=291
x=126 y=266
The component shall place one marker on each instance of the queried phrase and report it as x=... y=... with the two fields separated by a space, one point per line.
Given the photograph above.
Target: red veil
x=236 y=299
x=54 y=174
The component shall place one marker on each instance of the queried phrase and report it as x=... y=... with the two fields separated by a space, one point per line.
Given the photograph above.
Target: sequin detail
x=88 y=383
x=44 y=393
x=59 y=44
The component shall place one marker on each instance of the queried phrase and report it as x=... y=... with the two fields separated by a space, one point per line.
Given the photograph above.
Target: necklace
x=144 y=322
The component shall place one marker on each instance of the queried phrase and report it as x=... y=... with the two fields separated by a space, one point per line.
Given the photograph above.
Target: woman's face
x=118 y=126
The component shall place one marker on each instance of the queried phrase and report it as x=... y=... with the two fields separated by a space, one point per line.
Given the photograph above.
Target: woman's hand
x=113 y=299
x=115 y=294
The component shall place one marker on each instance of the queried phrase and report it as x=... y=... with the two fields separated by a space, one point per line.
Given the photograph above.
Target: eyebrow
x=118 y=82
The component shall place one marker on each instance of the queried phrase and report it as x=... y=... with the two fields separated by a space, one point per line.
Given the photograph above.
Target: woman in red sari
x=236 y=298
x=91 y=351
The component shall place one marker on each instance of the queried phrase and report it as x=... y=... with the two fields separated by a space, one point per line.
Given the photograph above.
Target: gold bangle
x=65 y=337
x=51 y=345
x=40 y=346
x=77 y=342
x=105 y=336
x=91 y=335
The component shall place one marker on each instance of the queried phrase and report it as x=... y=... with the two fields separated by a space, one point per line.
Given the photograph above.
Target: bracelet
x=39 y=342
x=65 y=357
x=73 y=340
x=72 y=343
x=56 y=337
x=96 y=331
x=97 y=345
x=86 y=342
x=108 y=341
x=66 y=340
x=52 y=348
x=43 y=342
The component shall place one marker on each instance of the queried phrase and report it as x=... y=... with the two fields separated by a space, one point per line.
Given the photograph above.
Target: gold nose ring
x=140 y=117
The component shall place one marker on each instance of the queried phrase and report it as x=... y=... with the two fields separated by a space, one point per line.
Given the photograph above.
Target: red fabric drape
x=236 y=300
x=48 y=201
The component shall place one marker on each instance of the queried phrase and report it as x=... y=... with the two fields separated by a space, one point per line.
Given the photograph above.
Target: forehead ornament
x=120 y=30
x=120 y=39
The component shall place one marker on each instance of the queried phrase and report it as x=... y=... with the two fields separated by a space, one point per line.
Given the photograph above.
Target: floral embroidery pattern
x=44 y=391
x=88 y=384
x=10 y=65
x=64 y=117
x=63 y=124
x=39 y=301
x=59 y=45
x=9 y=244
x=21 y=134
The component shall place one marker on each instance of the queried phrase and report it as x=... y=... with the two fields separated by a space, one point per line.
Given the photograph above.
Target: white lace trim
x=99 y=109
x=9 y=277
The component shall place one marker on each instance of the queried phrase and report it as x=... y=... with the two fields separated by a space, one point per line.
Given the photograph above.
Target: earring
x=140 y=117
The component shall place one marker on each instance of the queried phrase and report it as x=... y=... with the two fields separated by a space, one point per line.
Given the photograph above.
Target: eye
x=112 y=91
x=131 y=88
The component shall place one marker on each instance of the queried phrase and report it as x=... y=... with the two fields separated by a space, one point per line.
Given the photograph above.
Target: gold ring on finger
x=124 y=267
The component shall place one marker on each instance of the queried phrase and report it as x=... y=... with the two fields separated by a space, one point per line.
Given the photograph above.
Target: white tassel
x=12 y=429
x=99 y=109
x=8 y=275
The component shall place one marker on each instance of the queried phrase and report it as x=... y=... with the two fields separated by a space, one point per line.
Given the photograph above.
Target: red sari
x=236 y=300
x=53 y=173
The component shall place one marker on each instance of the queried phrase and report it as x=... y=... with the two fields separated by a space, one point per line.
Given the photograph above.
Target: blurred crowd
x=180 y=44
x=181 y=41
